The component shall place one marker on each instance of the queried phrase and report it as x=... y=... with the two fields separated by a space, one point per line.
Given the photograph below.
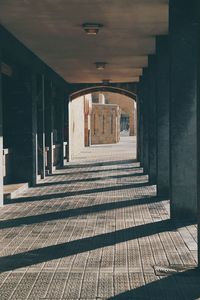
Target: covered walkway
x=96 y=230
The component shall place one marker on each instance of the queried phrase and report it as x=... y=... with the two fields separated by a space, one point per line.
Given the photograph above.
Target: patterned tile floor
x=95 y=230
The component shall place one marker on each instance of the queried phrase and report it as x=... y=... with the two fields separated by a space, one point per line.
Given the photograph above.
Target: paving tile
x=105 y=285
x=89 y=285
x=73 y=286
x=95 y=230
x=9 y=285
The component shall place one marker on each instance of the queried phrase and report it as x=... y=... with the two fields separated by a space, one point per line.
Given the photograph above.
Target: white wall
x=76 y=126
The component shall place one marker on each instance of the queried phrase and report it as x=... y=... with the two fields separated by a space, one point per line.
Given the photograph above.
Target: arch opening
x=100 y=117
x=103 y=88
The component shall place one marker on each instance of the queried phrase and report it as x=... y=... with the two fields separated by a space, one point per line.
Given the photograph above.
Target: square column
x=41 y=128
x=145 y=114
x=66 y=128
x=152 y=115
x=184 y=48
x=49 y=124
x=34 y=158
x=140 y=123
x=198 y=165
x=1 y=136
x=59 y=116
x=20 y=125
x=162 y=99
x=62 y=137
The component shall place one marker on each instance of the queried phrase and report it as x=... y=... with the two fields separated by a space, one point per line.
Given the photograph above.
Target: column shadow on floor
x=181 y=286
x=101 y=163
x=94 y=171
x=32 y=257
x=92 y=179
x=77 y=193
x=74 y=212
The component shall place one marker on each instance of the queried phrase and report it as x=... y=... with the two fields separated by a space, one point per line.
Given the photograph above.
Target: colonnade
x=168 y=113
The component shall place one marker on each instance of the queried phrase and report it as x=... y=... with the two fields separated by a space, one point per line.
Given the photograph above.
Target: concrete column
x=152 y=115
x=34 y=131
x=135 y=118
x=162 y=99
x=66 y=129
x=1 y=135
x=145 y=96
x=69 y=138
x=198 y=164
x=140 y=123
x=49 y=124
x=61 y=128
x=41 y=128
x=21 y=125
x=184 y=47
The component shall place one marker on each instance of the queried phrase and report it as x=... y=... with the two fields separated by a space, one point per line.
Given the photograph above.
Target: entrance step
x=11 y=191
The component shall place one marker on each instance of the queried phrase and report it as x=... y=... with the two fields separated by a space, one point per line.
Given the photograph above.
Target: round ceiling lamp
x=91 y=28
x=106 y=81
x=100 y=65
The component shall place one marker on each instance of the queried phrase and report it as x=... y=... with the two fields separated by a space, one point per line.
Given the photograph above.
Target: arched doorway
x=82 y=126
x=103 y=88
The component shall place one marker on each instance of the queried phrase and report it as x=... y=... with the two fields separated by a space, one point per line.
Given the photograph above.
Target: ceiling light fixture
x=91 y=28
x=100 y=65
x=106 y=81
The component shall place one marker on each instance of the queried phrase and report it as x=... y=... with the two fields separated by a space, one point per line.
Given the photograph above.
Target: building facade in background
x=105 y=124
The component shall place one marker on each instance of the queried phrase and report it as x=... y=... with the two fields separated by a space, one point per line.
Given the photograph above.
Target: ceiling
x=52 y=30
